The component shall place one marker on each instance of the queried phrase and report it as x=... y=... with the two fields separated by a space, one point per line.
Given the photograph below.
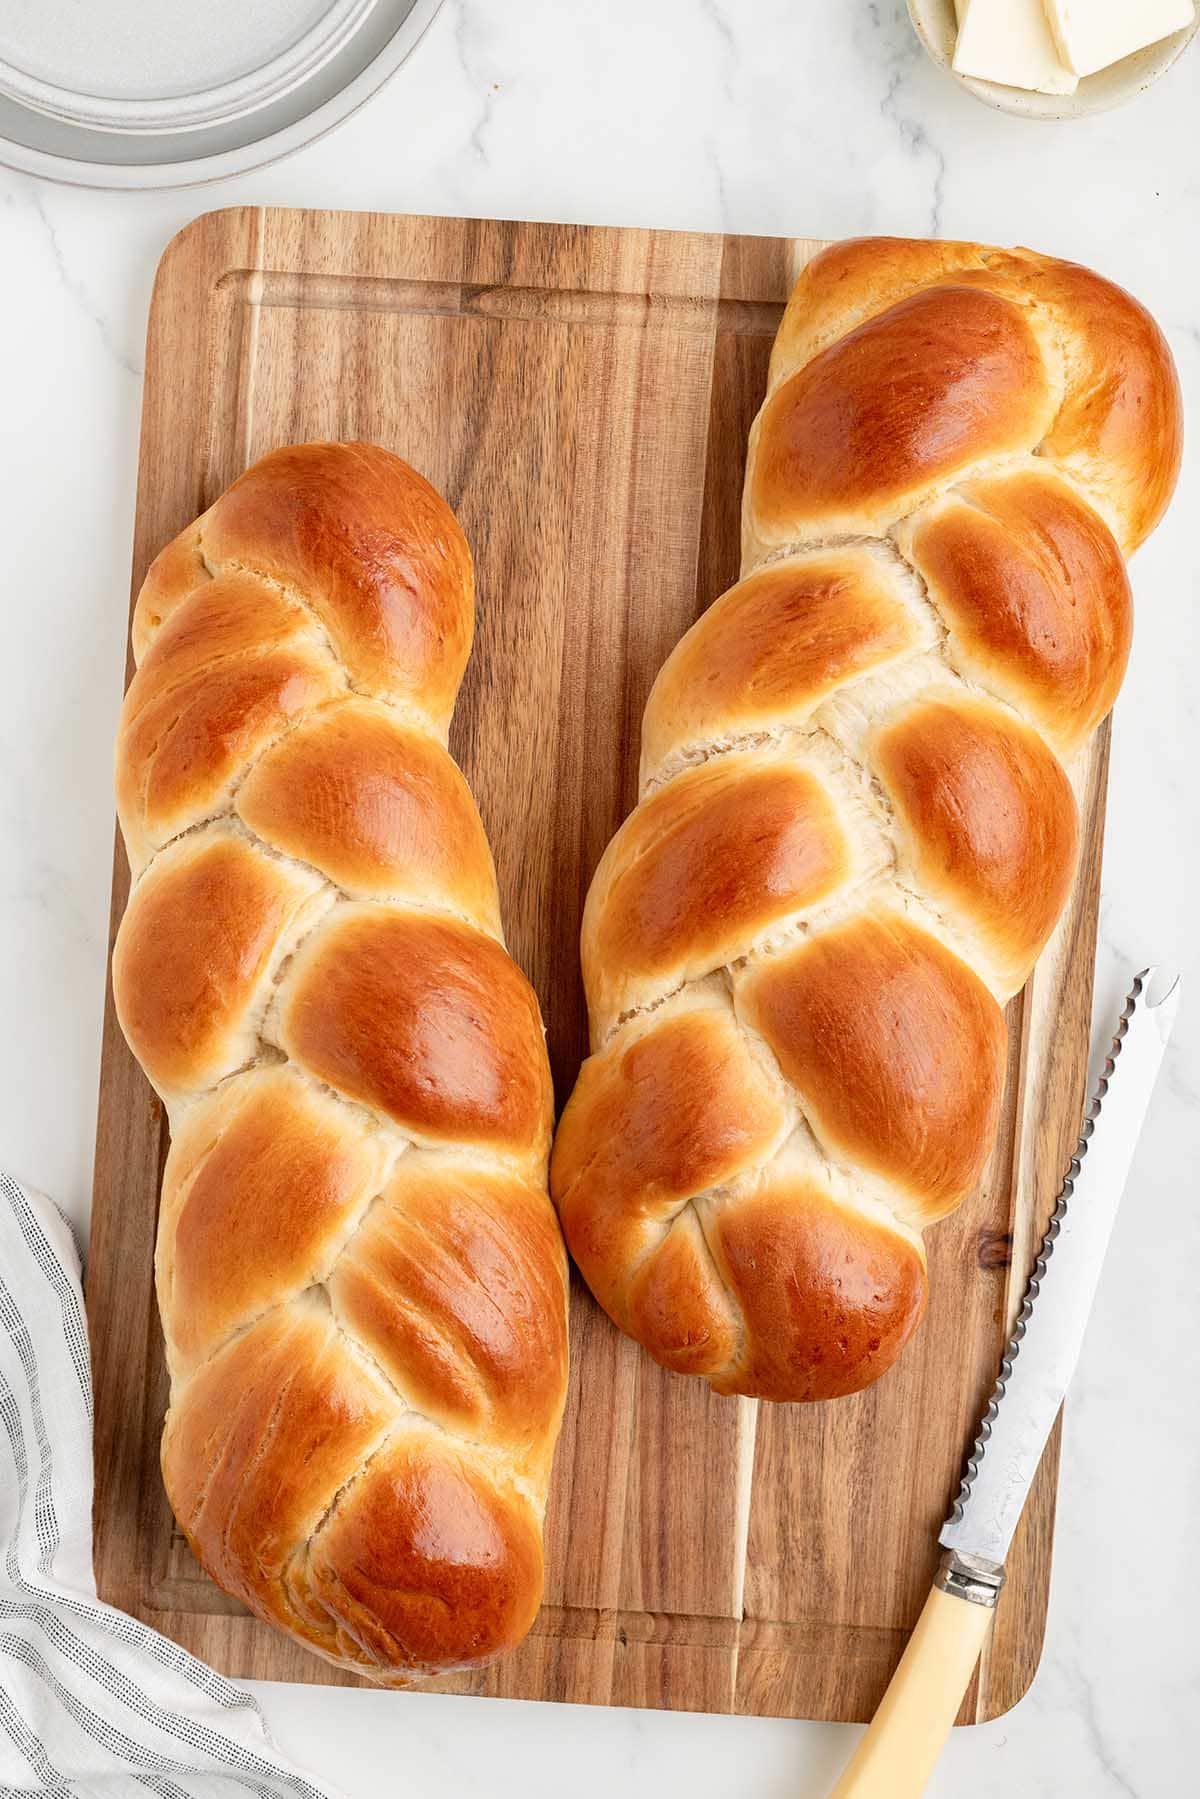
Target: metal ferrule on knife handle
x=970 y=1577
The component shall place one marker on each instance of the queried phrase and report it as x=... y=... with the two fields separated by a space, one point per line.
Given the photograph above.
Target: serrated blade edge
x=992 y=1532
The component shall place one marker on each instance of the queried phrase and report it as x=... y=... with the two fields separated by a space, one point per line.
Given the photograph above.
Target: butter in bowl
x=1055 y=59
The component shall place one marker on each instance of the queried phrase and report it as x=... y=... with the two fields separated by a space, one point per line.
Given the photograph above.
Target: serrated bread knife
x=896 y=1756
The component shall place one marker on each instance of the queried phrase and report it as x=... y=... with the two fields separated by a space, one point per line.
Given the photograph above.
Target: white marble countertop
x=811 y=117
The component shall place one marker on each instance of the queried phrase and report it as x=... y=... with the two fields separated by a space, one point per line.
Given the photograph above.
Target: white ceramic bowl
x=935 y=24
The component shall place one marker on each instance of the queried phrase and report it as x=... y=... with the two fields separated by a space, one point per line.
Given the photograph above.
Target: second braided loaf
x=855 y=831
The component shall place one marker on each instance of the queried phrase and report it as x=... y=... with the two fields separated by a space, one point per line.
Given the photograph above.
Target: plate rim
x=219 y=103
x=258 y=153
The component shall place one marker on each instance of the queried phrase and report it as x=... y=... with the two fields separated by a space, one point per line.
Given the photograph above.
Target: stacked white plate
x=163 y=93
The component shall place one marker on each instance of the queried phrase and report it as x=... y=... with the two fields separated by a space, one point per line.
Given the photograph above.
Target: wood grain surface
x=582 y=396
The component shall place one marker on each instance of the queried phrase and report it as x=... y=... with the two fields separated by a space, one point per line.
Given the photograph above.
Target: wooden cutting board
x=582 y=397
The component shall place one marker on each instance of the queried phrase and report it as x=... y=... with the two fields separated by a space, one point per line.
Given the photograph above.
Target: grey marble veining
x=811 y=117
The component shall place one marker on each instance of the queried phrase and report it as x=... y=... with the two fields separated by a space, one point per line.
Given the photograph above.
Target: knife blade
x=1043 y=1351
x=898 y=1752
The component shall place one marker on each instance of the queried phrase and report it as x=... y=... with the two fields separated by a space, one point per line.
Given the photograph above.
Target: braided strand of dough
x=855 y=831
x=360 y=1276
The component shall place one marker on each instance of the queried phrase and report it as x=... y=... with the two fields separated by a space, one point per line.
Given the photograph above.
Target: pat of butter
x=1091 y=34
x=1010 y=41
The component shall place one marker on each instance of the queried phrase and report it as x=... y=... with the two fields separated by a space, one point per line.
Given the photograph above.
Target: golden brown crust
x=701 y=869
x=678 y=1306
x=1119 y=423
x=261 y=1439
x=454 y=1285
x=770 y=650
x=230 y=671
x=956 y=445
x=360 y=1275
x=423 y=1567
x=263 y=1182
x=1120 y=427
x=856 y=280
x=370 y=547
x=192 y=964
x=713 y=1277
x=652 y=1123
x=423 y=1020
x=910 y=399
x=377 y=807
x=367 y=1535
x=986 y=823
x=1035 y=597
x=830 y=1295
x=896 y=1050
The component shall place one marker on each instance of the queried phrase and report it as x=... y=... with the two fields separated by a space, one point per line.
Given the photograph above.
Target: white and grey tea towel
x=93 y=1705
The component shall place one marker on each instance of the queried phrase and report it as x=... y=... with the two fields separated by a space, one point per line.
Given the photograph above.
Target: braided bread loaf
x=855 y=832
x=360 y=1276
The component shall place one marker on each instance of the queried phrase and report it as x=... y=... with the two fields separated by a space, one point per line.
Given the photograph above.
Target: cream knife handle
x=907 y=1734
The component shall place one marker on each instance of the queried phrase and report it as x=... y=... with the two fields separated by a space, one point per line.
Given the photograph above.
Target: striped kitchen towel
x=92 y=1703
